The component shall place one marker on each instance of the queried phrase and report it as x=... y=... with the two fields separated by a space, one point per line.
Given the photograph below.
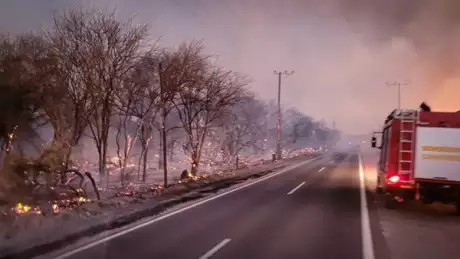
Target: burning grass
x=70 y=195
x=57 y=206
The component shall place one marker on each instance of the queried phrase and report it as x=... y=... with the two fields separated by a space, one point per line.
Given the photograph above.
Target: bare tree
x=67 y=97
x=143 y=106
x=125 y=126
x=175 y=69
x=244 y=128
x=106 y=50
x=202 y=102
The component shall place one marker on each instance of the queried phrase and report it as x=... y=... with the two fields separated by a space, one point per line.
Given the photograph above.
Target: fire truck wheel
x=390 y=202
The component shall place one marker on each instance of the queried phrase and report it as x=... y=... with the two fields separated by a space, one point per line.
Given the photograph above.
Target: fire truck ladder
x=408 y=119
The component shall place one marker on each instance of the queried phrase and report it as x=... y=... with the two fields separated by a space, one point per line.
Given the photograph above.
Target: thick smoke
x=343 y=51
x=410 y=40
x=431 y=27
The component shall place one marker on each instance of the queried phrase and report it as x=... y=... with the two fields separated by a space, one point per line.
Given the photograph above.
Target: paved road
x=312 y=211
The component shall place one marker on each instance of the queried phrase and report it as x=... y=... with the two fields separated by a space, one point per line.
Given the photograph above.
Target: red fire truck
x=419 y=157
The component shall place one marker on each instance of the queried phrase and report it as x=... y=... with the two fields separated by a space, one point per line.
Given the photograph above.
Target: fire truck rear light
x=394 y=179
x=399 y=199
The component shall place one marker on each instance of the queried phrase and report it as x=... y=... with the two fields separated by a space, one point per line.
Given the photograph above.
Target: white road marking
x=126 y=231
x=322 y=169
x=295 y=189
x=215 y=249
x=368 y=247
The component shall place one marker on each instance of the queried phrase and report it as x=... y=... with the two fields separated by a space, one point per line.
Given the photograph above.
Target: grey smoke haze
x=342 y=51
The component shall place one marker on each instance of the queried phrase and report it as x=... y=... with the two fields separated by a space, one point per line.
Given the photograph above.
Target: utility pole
x=163 y=126
x=398 y=84
x=278 y=126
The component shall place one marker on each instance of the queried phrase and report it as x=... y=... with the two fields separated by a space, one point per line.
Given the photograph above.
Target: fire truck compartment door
x=437 y=153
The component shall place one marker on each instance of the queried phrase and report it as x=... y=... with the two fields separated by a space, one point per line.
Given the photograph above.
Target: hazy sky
x=342 y=51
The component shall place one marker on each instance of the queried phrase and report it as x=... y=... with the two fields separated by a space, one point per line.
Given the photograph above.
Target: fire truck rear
x=419 y=157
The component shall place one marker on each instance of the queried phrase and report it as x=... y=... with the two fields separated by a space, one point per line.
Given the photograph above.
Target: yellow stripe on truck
x=440 y=157
x=441 y=149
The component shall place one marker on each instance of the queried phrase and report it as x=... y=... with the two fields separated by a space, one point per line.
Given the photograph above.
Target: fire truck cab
x=419 y=157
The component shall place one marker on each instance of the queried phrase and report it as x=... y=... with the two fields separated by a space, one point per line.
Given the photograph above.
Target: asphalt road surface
x=312 y=211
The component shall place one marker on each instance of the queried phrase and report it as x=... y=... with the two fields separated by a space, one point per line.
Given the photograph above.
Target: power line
x=278 y=127
x=398 y=84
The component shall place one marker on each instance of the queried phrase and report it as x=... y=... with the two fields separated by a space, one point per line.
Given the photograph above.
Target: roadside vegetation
x=95 y=105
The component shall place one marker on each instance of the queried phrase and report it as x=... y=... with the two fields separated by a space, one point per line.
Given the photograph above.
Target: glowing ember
x=23 y=209
x=20 y=208
x=115 y=159
x=55 y=208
